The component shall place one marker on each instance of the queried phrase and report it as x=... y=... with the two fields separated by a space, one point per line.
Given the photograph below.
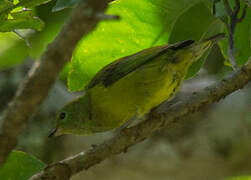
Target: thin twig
x=237 y=7
x=243 y=15
x=163 y=116
x=231 y=30
x=227 y=7
x=35 y=88
x=234 y=20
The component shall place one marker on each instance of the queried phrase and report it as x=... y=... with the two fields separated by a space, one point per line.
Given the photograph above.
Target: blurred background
x=211 y=144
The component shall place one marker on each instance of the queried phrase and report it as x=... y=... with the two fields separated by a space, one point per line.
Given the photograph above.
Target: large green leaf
x=196 y=23
x=143 y=23
x=193 y=24
x=20 y=166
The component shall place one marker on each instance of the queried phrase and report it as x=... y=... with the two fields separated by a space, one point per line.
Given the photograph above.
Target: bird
x=130 y=87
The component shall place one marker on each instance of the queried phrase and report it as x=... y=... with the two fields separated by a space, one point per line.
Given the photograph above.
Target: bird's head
x=73 y=118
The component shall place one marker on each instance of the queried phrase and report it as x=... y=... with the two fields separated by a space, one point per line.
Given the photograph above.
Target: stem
x=231 y=44
x=233 y=15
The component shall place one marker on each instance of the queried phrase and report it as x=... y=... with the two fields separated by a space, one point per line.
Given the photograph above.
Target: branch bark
x=162 y=116
x=43 y=74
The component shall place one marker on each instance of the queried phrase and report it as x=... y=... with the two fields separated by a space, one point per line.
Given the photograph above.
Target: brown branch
x=162 y=116
x=43 y=74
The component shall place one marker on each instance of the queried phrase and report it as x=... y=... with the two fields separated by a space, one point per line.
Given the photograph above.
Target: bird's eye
x=62 y=115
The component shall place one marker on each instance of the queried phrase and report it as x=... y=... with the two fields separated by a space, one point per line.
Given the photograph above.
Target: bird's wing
x=121 y=67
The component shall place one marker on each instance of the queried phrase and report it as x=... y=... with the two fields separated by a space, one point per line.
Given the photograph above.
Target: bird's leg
x=129 y=123
x=125 y=125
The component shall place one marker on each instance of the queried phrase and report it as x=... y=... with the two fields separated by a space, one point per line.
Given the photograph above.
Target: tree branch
x=43 y=74
x=162 y=116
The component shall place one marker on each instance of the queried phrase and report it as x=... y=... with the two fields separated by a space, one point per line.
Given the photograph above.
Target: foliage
x=20 y=166
x=142 y=24
x=14 y=50
x=155 y=23
x=242 y=43
x=16 y=15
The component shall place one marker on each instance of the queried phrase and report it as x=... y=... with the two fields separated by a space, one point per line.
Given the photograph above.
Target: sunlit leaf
x=143 y=23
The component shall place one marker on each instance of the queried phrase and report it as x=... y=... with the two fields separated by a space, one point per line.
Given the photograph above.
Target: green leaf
x=196 y=66
x=8 y=6
x=32 y=3
x=13 y=51
x=220 y=11
x=21 y=20
x=20 y=166
x=143 y=23
x=62 y=4
x=5 y=4
x=14 y=15
x=196 y=23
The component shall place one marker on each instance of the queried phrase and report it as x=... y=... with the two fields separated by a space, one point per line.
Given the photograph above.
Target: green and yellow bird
x=130 y=87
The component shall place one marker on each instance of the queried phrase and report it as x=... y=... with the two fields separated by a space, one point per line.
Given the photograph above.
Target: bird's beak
x=216 y=38
x=55 y=132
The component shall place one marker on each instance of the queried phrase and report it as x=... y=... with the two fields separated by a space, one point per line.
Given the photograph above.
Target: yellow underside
x=135 y=94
